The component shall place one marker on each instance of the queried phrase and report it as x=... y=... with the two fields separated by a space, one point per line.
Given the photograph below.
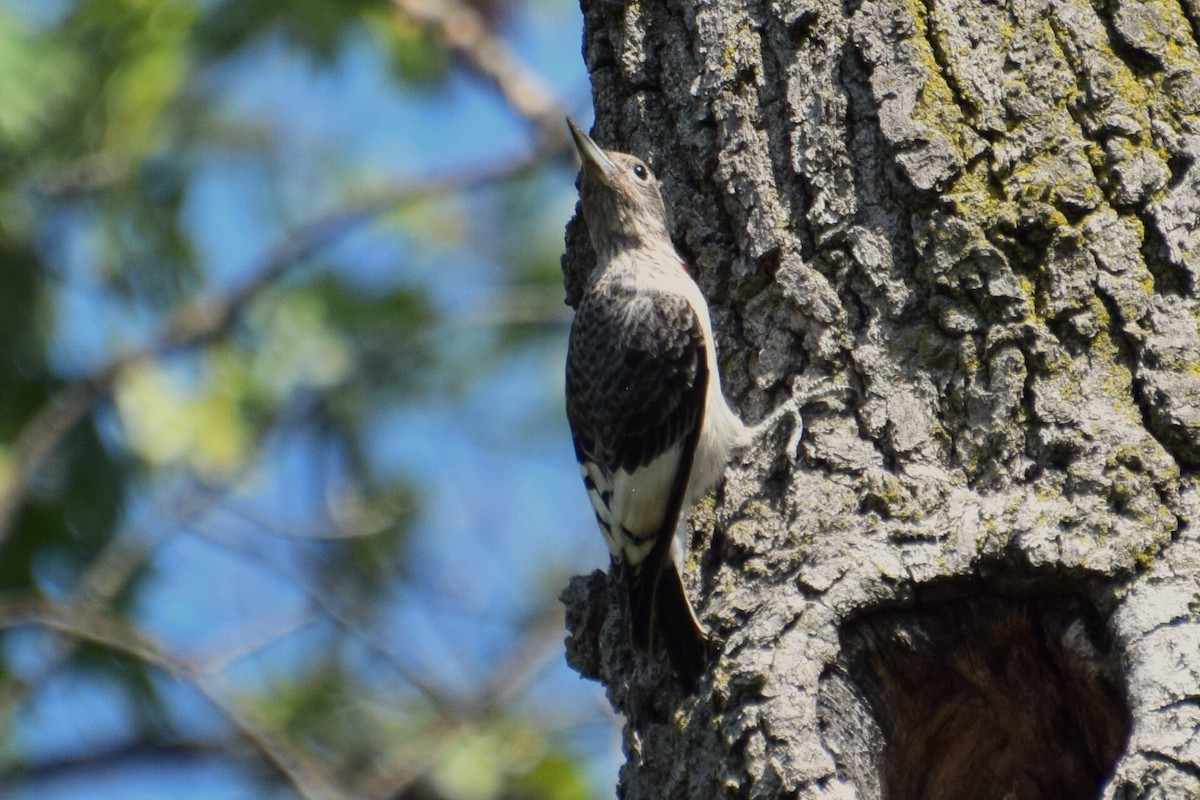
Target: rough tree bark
x=979 y=575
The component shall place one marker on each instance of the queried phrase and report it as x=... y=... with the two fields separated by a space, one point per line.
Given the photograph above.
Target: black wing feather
x=636 y=375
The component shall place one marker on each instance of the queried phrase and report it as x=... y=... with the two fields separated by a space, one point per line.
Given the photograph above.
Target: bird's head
x=620 y=198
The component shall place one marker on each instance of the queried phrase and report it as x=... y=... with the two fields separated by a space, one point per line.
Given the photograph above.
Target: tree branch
x=107 y=575
x=464 y=31
x=197 y=323
x=120 y=756
x=306 y=774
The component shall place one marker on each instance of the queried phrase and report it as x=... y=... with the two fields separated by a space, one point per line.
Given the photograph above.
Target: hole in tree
x=987 y=697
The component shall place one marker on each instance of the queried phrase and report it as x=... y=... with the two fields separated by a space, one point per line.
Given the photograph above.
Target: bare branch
x=542 y=641
x=202 y=321
x=441 y=702
x=122 y=755
x=539 y=642
x=463 y=30
x=253 y=639
x=309 y=777
x=107 y=575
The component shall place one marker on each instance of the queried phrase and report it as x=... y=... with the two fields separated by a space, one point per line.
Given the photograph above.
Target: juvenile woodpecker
x=652 y=429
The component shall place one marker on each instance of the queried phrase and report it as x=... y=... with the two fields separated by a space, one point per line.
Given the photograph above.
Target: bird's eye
x=641 y=172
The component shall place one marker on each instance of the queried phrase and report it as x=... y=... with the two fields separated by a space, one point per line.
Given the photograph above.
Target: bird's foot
x=791 y=409
x=787 y=410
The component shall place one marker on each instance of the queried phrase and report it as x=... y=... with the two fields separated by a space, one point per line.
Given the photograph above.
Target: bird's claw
x=788 y=409
x=792 y=408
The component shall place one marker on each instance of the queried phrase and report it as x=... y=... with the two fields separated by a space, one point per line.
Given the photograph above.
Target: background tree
x=281 y=345
x=979 y=576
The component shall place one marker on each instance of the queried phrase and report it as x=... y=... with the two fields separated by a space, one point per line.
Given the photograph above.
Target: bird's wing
x=637 y=379
x=637 y=375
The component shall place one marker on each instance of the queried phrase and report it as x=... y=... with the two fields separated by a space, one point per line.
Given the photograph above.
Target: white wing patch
x=630 y=506
x=640 y=497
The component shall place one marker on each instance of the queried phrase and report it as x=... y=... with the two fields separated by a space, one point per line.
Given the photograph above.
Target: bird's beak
x=590 y=153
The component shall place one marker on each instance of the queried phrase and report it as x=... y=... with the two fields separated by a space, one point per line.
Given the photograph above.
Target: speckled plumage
x=651 y=427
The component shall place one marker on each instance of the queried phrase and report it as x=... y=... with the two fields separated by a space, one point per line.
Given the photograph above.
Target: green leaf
x=314 y=25
x=37 y=76
x=417 y=57
x=555 y=777
x=169 y=420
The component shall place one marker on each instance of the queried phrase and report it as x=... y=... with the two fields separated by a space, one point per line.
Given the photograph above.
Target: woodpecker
x=652 y=429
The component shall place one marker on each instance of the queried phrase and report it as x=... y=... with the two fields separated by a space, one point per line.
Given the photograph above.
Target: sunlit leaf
x=555 y=777
x=37 y=74
x=169 y=420
x=471 y=768
x=480 y=762
x=138 y=95
x=298 y=348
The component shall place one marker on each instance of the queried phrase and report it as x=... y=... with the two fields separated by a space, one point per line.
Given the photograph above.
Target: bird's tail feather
x=658 y=596
x=683 y=637
x=642 y=584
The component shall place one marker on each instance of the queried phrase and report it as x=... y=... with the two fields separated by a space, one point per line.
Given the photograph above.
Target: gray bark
x=978 y=576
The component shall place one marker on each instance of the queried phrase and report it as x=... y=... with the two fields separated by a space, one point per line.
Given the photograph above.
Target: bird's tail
x=657 y=595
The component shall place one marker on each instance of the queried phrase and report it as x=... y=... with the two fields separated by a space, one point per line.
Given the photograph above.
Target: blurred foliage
x=112 y=115
x=36 y=76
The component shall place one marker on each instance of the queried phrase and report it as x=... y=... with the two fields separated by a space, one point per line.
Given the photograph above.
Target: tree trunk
x=977 y=578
